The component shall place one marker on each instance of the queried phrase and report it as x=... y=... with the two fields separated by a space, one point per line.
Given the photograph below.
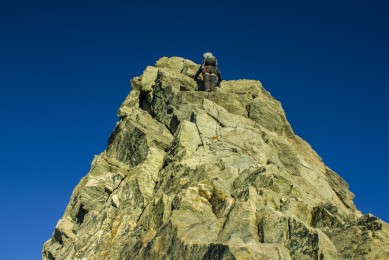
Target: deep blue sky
x=65 y=67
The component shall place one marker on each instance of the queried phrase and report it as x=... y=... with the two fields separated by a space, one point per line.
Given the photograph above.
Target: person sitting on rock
x=211 y=74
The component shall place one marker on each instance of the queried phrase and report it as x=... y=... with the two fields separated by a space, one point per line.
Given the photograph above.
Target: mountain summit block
x=189 y=174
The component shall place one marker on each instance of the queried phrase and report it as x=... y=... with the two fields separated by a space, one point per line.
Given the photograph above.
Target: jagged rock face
x=195 y=175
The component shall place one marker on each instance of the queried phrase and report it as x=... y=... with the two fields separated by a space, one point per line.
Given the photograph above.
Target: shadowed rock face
x=195 y=175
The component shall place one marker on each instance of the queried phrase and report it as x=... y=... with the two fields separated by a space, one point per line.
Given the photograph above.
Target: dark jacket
x=201 y=70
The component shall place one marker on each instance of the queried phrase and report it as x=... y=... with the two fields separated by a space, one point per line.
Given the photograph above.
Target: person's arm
x=198 y=72
x=219 y=75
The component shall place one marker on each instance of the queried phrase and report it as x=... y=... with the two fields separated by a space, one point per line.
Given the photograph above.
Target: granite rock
x=194 y=175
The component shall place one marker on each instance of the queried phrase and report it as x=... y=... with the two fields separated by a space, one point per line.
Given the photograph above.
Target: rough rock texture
x=195 y=175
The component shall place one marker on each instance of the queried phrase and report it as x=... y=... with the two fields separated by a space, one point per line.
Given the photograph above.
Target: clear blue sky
x=65 y=67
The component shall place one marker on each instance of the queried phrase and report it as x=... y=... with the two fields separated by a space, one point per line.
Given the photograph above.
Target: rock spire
x=194 y=175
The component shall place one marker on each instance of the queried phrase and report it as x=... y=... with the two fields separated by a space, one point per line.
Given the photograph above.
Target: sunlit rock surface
x=194 y=175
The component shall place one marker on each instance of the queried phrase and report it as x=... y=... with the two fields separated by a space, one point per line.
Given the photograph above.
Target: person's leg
x=207 y=81
x=213 y=81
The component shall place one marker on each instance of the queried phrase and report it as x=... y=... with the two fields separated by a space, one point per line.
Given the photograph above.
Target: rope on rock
x=218 y=133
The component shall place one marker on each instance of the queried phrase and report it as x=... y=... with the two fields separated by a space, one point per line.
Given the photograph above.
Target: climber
x=211 y=74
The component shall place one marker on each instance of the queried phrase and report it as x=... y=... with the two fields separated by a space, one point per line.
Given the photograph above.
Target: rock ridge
x=189 y=174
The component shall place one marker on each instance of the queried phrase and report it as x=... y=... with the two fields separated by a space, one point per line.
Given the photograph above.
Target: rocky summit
x=189 y=174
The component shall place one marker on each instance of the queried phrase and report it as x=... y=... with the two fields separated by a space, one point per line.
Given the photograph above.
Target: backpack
x=209 y=65
x=210 y=61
